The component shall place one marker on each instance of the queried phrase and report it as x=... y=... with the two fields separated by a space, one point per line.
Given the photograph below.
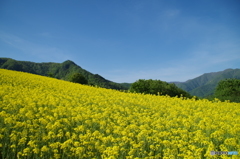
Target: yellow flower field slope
x=43 y=117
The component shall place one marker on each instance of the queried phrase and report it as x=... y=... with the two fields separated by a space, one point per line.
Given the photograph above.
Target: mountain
x=59 y=71
x=205 y=84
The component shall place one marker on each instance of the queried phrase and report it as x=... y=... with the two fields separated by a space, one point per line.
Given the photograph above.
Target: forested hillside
x=58 y=70
x=205 y=84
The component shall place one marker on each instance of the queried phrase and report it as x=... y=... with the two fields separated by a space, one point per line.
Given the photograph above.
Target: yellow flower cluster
x=43 y=117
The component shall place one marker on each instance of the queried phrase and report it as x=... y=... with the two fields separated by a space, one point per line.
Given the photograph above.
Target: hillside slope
x=42 y=117
x=59 y=71
x=205 y=84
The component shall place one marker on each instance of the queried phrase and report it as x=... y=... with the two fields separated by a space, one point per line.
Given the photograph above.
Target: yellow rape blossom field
x=43 y=117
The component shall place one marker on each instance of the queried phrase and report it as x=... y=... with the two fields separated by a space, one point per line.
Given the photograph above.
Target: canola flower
x=43 y=117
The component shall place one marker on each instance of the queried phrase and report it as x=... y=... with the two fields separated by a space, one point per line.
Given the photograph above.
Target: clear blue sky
x=125 y=40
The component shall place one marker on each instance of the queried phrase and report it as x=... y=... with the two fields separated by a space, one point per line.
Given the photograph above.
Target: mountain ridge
x=59 y=70
x=205 y=84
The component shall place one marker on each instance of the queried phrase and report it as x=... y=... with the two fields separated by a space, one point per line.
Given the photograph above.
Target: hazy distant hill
x=205 y=84
x=58 y=70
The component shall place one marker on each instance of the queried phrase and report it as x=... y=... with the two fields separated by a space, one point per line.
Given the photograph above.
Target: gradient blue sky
x=125 y=40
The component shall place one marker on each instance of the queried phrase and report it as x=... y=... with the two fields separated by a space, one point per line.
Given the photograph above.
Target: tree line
x=150 y=86
x=228 y=89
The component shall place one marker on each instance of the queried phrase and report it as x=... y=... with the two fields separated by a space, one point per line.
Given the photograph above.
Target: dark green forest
x=157 y=87
x=78 y=78
x=228 y=89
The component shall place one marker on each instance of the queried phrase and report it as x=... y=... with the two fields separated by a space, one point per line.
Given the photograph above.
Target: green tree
x=157 y=87
x=78 y=78
x=50 y=74
x=228 y=89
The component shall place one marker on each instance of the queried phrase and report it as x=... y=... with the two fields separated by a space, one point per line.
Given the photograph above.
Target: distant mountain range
x=205 y=84
x=201 y=86
x=59 y=71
